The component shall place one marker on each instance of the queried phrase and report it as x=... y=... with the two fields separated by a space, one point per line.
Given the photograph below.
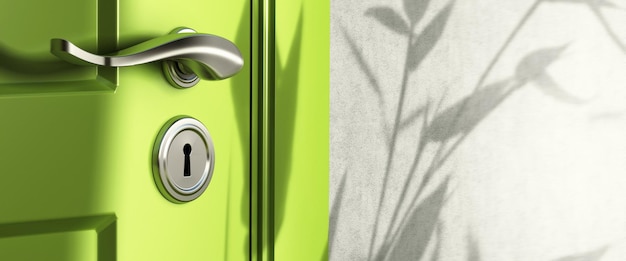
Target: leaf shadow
x=467 y=113
x=286 y=94
x=428 y=38
x=596 y=7
x=389 y=18
x=415 y=10
x=534 y=64
x=462 y=118
x=593 y=255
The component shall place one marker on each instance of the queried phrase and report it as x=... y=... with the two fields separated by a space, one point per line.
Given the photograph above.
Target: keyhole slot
x=187 y=152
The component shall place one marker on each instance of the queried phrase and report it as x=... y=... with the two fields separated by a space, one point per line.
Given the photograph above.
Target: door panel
x=85 y=238
x=28 y=67
x=55 y=246
x=25 y=45
x=76 y=142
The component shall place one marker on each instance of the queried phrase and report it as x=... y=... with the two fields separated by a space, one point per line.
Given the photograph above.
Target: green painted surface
x=301 y=130
x=26 y=32
x=81 y=245
x=77 y=141
x=291 y=139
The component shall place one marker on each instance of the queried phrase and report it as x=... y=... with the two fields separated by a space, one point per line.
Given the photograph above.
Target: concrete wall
x=478 y=130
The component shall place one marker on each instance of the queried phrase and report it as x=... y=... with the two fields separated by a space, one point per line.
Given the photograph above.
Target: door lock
x=183 y=159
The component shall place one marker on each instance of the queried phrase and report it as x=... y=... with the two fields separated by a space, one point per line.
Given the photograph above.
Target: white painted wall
x=510 y=143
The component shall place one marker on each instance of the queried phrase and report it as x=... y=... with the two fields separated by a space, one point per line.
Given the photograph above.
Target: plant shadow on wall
x=414 y=216
x=596 y=7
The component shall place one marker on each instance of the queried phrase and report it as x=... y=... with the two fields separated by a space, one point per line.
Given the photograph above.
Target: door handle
x=187 y=55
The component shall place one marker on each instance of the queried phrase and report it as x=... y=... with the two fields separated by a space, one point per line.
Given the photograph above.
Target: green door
x=76 y=142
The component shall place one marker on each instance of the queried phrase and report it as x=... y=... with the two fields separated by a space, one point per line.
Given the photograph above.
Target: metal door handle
x=187 y=55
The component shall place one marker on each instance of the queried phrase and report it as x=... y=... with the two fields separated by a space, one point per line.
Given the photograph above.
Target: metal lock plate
x=183 y=159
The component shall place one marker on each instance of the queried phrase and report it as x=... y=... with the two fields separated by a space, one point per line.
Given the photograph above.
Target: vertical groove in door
x=255 y=118
x=107 y=241
x=268 y=129
x=262 y=191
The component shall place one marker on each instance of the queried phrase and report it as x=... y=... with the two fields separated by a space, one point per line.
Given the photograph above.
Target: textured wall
x=478 y=130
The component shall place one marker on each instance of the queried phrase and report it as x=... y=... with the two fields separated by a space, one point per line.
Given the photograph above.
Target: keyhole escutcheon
x=187 y=152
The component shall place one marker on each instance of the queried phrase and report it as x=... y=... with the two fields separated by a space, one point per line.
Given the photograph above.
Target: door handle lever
x=187 y=55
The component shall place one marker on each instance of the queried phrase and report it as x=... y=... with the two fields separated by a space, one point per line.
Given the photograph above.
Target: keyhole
x=187 y=151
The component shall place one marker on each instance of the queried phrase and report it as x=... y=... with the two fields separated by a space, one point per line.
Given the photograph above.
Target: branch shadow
x=335 y=210
x=595 y=6
x=489 y=98
x=428 y=38
x=369 y=74
x=462 y=117
x=416 y=234
x=417 y=50
x=467 y=113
